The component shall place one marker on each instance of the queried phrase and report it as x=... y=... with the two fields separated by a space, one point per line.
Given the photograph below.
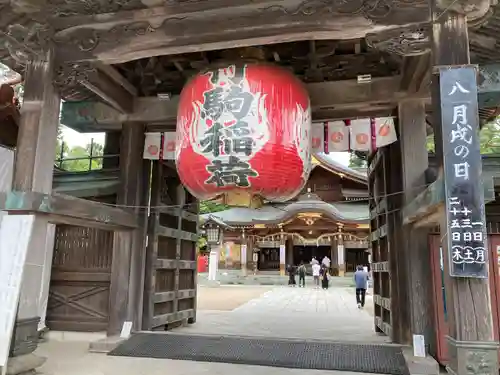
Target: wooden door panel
x=80 y=280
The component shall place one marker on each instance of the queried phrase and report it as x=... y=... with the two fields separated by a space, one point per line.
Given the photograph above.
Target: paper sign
x=418 y=346
x=385 y=131
x=169 y=146
x=360 y=134
x=338 y=136
x=318 y=137
x=15 y=234
x=126 y=330
x=154 y=145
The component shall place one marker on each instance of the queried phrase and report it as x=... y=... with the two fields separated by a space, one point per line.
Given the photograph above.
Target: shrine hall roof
x=328 y=162
x=354 y=212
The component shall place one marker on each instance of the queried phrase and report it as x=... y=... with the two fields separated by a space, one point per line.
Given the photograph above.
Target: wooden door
x=80 y=279
x=439 y=294
x=171 y=269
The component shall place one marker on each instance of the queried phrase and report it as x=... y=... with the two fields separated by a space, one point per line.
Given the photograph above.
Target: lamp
x=213 y=234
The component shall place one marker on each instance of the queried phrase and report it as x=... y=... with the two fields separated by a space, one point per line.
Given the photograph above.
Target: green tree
x=81 y=159
x=95 y=149
x=207 y=207
x=489 y=139
x=356 y=162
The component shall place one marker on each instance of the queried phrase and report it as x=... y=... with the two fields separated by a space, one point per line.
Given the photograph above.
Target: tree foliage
x=77 y=159
x=356 y=162
x=489 y=139
x=207 y=207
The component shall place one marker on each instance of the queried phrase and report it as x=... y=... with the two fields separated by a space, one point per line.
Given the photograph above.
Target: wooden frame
x=171 y=266
x=437 y=289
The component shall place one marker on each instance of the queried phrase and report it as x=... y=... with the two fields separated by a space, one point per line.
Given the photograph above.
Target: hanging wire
x=166 y=206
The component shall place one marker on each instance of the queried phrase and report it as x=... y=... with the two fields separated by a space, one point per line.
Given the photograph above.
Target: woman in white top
x=315 y=270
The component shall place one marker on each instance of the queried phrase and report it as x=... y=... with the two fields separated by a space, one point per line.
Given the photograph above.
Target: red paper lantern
x=244 y=131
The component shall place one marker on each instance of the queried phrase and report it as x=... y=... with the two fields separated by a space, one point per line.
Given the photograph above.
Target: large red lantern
x=244 y=132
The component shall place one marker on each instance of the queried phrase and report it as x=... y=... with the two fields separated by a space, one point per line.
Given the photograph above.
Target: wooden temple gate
x=120 y=66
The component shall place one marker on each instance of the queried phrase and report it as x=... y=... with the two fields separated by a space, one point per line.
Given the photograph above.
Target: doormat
x=379 y=359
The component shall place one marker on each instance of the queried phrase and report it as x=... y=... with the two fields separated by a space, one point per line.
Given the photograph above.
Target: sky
x=73 y=138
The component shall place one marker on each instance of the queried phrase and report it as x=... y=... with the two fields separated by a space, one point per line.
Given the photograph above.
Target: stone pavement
x=285 y=312
x=294 y=313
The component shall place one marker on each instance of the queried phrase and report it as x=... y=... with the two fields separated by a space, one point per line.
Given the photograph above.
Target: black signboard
x=466 y=230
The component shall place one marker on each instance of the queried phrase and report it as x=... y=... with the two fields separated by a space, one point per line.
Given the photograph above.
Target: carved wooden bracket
x=24 y=42
x=66 y=8
x=375 y=10
x=474 y=9
x=408 y=41
x=73 y=74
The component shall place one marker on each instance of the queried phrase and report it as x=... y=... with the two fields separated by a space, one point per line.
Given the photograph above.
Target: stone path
x=278 y=312
x=293 y=313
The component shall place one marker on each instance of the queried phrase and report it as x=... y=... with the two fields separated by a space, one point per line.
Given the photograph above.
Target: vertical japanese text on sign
x=227 y=104
x=466 y=235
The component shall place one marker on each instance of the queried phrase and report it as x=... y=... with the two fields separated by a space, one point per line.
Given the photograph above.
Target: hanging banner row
x=332 y=136
x=353 y=135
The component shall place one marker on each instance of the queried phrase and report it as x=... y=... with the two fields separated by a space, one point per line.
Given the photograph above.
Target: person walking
x=361 y=280
x=316 y=270
x=302 y=275
x=326 y=262
x=291 y=275
x=324 y=277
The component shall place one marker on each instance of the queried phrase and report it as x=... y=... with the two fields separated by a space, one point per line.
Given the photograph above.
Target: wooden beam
x=116 y=76
x=63 y=209
x=202 y=26
x=415 y=69
x=110 y=92
x=329 y=100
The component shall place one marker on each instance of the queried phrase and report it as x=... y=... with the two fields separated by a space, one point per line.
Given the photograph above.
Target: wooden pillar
x=128 y=247
x=33 y=171
x=414 y=257
x=471 y=342
x=112 y=147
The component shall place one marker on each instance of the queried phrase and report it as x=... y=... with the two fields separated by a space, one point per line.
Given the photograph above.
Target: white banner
x=153 y=145
x=361 y=138
x=340 y=254
x=15 y=234
x=338 y=136
x=243 y=254
x=282 y=254
x=318 y=138
x=385 y=132
x=169 y=146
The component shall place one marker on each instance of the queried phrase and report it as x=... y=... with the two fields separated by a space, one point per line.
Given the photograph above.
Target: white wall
x=6 y=171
